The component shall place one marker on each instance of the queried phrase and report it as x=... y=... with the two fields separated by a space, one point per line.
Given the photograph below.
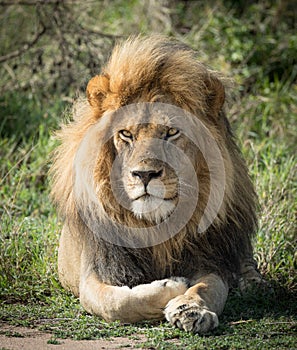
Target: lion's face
x=149 y=159
x=150 y=183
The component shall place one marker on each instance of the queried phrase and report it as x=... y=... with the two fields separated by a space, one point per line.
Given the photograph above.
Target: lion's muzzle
x=152 y=189
x=147 y=175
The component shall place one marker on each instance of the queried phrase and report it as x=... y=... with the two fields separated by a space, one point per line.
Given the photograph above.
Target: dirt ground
x=22 y=338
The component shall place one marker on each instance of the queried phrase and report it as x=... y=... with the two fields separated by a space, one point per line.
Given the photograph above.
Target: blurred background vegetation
x=50 y=49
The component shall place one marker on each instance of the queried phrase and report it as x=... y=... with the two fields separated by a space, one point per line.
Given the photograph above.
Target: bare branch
x=99 y=33
x=35 y=2
x=25 y=47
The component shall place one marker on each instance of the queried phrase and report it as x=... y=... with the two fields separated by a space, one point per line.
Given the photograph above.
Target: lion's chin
x=152 y=208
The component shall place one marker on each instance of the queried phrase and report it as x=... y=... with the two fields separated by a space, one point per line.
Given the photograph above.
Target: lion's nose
x=147 y=176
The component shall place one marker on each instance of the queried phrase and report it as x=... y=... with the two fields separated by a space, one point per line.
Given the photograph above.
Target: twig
x=240 y=322
x=96 y=32
x=35 y=2
x=28 y=2
x=23 y=49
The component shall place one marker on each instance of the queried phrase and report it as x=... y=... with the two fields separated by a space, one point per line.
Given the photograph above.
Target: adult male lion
x=158 y=207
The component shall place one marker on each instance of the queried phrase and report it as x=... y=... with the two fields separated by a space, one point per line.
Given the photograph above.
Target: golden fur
x=154 y=70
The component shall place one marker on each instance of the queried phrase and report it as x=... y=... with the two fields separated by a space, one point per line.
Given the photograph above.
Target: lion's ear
x=215 y=94
x=97 y=89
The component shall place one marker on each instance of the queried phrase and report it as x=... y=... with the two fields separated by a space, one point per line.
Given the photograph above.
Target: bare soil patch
x=16 y=338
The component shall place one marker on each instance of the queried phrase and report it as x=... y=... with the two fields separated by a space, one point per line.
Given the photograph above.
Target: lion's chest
x=120 y=266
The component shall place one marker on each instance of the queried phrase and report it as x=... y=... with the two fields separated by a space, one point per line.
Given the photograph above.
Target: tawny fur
x=154 y=69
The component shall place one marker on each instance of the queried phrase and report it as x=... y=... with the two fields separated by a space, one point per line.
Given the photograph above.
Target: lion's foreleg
x=146 y=301
x=102 y=299
x=69 y=258
x=198 y=309
x=249 y=274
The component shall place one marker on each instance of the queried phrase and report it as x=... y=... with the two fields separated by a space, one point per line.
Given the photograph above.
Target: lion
x=158 y=208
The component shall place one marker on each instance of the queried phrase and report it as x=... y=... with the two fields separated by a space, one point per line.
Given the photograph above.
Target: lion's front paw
x=152 y=298
x=173 y=285
x=185 y=313
x=165 y=289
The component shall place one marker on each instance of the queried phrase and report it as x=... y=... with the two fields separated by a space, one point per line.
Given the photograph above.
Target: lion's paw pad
x=190 y=316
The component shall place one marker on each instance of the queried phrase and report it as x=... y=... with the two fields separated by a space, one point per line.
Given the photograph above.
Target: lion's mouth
x=153 y=208
x=146 y=192
x=143 y=196
x=154 y=201
x=146 y=195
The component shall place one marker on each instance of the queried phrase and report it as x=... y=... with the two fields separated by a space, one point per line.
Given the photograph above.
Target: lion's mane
x=154 y=69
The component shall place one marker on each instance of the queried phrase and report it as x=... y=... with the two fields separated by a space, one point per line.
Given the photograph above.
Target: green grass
x=264 y=117
x=248 y=321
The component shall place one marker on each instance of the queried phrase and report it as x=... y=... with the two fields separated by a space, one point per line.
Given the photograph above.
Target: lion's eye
x=125 y=134
x=172 y=132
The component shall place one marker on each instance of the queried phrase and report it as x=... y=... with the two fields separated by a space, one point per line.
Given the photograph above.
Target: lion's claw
x=188 y=315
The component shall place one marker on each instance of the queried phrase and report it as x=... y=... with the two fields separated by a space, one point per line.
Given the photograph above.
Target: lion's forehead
x=148 y=131
x=134 y=116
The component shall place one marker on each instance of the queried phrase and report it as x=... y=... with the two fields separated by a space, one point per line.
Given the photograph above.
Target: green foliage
x=28 y=221
x=256 y=43
x=25 y=117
